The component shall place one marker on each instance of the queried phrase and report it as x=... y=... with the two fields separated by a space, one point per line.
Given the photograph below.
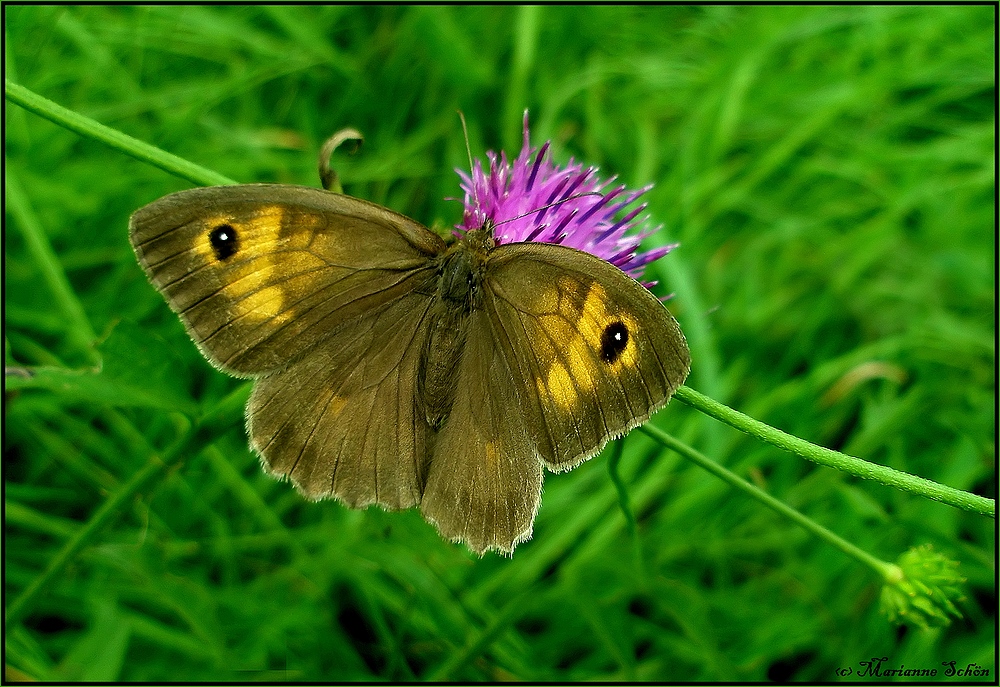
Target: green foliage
x=829 y=172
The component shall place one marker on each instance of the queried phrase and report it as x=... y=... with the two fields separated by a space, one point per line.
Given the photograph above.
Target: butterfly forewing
x=594 y=353
x=262 y=273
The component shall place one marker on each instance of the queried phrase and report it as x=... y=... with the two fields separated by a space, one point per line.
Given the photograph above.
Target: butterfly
x=394 y=368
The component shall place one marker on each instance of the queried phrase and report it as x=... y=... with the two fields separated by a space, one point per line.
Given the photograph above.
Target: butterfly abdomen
x=439 y=364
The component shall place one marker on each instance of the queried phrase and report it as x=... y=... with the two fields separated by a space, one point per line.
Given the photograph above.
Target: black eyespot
x=225 y=242
x=614 y=339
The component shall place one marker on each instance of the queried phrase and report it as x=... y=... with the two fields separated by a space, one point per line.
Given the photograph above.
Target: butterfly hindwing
x=485 y=477
x=343 y=421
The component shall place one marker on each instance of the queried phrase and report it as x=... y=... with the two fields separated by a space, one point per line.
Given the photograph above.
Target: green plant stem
x=85 y=126
x=881 y=567
x=614 y=460
x=835 y=459
x=198 y=436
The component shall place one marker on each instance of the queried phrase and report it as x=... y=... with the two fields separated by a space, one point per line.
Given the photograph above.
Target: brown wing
x=343 y=420
x=593 y=353
x=565 y=353
x=485 y=477
x=260 y=274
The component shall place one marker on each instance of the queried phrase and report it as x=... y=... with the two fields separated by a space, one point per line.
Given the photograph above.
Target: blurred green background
x=829 y=172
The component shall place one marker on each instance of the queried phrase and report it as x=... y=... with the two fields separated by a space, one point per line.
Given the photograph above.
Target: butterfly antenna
x=468 y=152
x=553 y=204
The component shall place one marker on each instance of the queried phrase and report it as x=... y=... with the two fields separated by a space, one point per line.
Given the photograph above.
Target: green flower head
x=921 y=589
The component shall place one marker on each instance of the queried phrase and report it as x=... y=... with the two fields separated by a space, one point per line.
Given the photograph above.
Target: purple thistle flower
x=536 y=200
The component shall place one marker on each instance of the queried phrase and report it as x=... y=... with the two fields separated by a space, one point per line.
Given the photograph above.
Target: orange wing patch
x=254 y=277
x=575 y=349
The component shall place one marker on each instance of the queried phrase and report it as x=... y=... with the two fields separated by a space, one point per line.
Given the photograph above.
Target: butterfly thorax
x=459 y=289
x=460 y=273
